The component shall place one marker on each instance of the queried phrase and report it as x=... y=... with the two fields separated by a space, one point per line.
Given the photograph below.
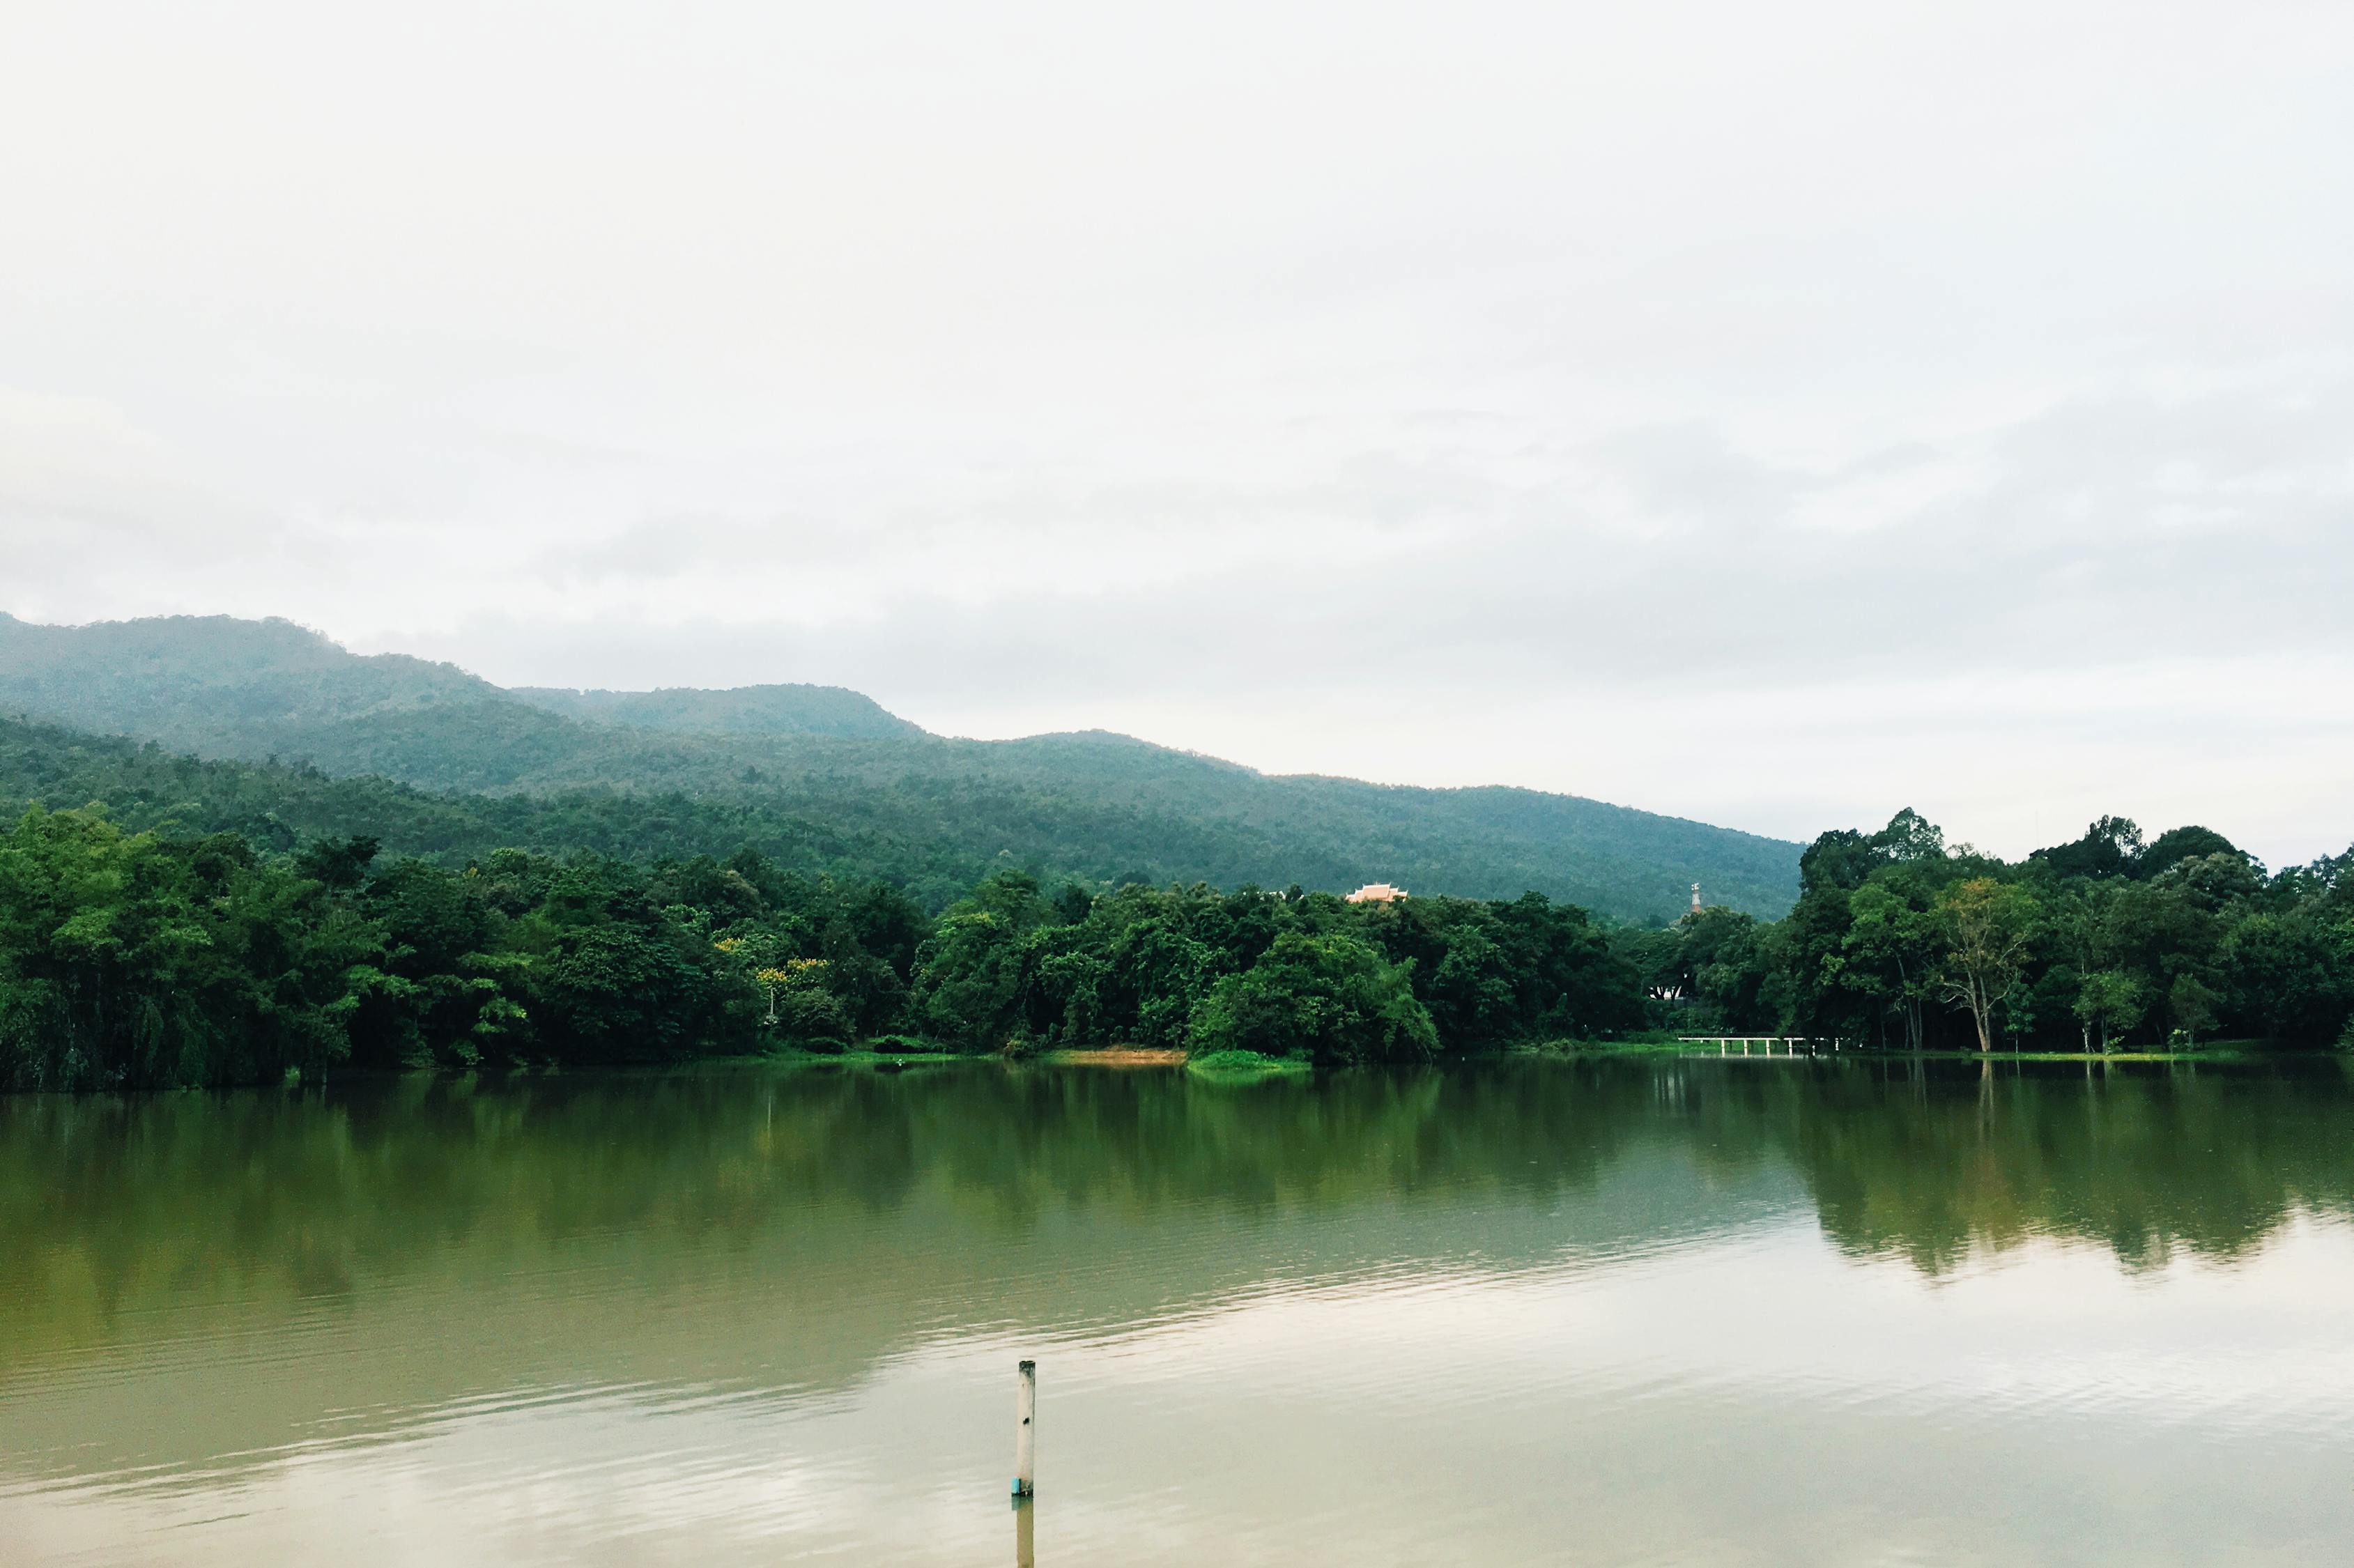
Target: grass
x=1647 y=1045
x=1667 y=1046
x=1252 y=1067
x=1245 y=1066
x=864 y=1057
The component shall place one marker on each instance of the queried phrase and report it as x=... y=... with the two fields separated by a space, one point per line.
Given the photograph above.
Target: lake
x=1618 y=1312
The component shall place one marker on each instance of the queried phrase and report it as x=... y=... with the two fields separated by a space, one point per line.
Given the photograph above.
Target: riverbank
x=1233 y=1065
x=887 y=1061
x=1219 y=1065
x=1116 y=1057
x=2233 y=1051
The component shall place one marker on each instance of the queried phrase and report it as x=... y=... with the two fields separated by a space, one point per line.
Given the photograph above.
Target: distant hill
x=212 y=683
x=819 y=777
x=744 y=710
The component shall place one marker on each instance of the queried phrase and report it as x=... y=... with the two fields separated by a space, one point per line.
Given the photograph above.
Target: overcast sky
x=1770 y=414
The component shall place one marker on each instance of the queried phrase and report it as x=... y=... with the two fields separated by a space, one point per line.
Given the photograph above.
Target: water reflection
x=713 y=1312
x=110 y=1208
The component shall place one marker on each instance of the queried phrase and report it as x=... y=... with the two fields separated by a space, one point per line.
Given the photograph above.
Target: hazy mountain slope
x=744 y=710
x=211 y=683
x=916 y=807
x=852 y=832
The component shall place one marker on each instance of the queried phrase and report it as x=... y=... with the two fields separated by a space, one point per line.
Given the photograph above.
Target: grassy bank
x=2221 y=1051
x=1252 y=1067
x=1246 y=1067
x=862 y=1057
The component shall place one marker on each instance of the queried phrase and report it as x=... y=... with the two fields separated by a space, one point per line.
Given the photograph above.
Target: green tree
x=2291 y=975
x=1893 y=946
x=2194 y=1006
x=2109 y=1003
x=1987 y=927
x=133 y=962
x=1332 y=997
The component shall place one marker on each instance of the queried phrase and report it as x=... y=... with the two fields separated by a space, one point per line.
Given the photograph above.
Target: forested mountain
x=210 y=685
x=744 y=710
x=815 y=778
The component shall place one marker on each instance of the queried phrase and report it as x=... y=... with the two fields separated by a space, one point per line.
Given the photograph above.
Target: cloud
x=1771 y=417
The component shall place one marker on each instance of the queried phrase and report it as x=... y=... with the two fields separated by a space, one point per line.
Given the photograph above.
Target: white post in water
x=1026 y=1434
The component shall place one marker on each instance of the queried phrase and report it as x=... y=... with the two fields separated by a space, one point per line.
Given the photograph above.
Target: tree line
x=145 y=959
x=2102 y=943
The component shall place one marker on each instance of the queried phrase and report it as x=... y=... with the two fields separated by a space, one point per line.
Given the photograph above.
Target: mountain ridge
x=781 y=708
x=1091 y=805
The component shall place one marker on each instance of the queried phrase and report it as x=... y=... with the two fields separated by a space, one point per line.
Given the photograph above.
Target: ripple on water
x=1581 y=1325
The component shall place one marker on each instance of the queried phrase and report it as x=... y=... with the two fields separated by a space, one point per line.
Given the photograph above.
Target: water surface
x=1626 y=1313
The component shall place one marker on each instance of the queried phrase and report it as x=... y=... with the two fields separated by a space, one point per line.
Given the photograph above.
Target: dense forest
x=137 y=959
x=131 y=959
x=2102 y=943
x=817 y=777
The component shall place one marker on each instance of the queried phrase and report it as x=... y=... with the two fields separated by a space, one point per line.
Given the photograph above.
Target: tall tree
x=1987 y=924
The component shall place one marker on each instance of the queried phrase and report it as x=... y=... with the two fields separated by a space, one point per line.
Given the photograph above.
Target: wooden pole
x=1026 y=1434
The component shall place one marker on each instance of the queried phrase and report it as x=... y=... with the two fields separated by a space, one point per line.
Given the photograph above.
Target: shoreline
x=1132 y=1058
x=2233 y=1052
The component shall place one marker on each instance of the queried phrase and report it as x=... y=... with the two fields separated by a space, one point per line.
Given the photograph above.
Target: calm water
x=1697 y=1312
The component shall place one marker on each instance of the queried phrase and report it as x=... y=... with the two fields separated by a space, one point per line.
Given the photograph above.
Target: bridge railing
x=1774 y=1044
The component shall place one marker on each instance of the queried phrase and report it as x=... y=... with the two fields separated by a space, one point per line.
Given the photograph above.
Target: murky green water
x=1704 y=1313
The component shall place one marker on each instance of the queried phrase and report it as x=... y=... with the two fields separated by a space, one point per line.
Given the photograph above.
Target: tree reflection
x=929 y=1181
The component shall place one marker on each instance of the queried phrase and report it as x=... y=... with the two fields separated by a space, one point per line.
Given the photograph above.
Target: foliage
x=147 y=960
x=127 y=960
x=1333 y=996
x=2102 y=939
x=1987 y=927
x=818 y=779
x=2109 y=1002
x=1241 y=1067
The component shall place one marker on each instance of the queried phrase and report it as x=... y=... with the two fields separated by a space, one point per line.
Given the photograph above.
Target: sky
x=1771 y=415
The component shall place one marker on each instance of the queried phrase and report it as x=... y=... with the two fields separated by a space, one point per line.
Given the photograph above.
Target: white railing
x=1788 y=1044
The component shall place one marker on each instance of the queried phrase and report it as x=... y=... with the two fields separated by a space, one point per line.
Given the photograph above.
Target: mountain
x=219 y=686
x=743 y=710
x=438 y=761
x=211 y=683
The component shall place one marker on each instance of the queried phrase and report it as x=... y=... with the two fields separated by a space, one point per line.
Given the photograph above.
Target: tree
x=1721 y=961
x=1332 y=997
x=2109 y=847
x=1910 y=838
x=1844 y=859
x=2109 y=1002
x=1986 y=925
x=2291 y=974
x=969 y=980
x=617 y=979
x=2189 y=843
x=136 y=961
x=2194 y=1006
x=1891 y=949
x=802 y=1010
